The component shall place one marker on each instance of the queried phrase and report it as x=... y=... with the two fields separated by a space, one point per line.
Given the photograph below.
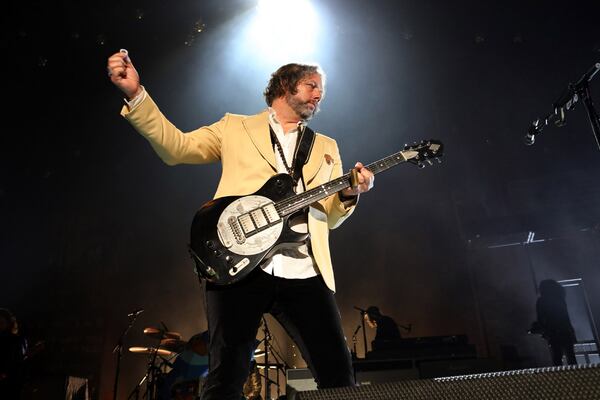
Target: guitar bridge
x=236 y=229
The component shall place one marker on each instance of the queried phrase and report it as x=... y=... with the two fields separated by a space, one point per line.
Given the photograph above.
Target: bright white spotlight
x=284 y=29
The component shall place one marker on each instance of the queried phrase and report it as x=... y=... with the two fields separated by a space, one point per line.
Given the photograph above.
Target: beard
x=301 y=107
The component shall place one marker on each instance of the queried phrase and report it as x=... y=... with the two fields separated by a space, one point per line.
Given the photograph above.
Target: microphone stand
x=279 y=362
x=354 y=355
x=118 y=350
x=362 y=321
x=153 y=371
x=566 y=102
x=584 y=92
x=136 y=391
x=267 y=340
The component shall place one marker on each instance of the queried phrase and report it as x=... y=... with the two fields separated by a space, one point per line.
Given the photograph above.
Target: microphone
x=136 y=312
x=360 y=309
x=356 y=330
x=533 y=130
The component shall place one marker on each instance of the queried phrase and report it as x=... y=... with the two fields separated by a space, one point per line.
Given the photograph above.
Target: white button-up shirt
x=292 y=262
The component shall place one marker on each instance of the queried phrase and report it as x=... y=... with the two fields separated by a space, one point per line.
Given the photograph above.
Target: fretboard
x=301 y=200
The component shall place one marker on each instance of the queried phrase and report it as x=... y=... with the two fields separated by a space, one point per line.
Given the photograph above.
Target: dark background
x=94 y=225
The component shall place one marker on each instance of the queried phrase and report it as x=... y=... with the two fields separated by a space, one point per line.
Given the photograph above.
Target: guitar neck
x=304 y=199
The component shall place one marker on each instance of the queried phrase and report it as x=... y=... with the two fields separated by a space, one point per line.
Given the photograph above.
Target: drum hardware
x=161 y=334
x=175 y=345
x=279 y=366
x=186 y=378
x=159 y=362
x=259 y=353
x=270 y=366
x=187 y=390
x=118 y=350
x=151 y=380
x=152 y=350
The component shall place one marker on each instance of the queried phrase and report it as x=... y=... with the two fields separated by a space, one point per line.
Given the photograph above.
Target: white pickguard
x=252 y=244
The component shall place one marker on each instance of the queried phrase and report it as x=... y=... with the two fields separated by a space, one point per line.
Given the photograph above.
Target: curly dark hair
x=286 y=79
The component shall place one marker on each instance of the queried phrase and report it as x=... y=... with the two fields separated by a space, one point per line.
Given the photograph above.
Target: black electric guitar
x=231 y=235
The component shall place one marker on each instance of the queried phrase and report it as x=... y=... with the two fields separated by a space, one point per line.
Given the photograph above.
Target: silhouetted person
x=387 y=333
x=554 y=322
x=12 y=357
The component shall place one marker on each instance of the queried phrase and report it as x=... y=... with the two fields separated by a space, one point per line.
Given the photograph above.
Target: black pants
x=306 y=309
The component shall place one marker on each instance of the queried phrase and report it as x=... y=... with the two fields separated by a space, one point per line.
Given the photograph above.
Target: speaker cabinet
x=368 y=372
x=580 y=382
x=454 y=367
x=298 y=380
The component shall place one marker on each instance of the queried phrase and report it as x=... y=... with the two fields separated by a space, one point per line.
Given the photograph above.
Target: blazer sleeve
x=337 y=211
x=200 y=146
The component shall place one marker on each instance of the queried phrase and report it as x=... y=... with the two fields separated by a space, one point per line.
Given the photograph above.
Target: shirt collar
x=273 y=119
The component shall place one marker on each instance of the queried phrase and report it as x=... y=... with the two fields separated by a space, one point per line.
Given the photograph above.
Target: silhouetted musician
x=387 y=334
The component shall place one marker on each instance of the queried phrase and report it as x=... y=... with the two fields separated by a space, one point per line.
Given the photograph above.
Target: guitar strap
x=303 y=149
x=304 y=144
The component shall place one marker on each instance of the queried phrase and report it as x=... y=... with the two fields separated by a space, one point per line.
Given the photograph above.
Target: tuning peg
x=429 y=162
x=439 y=160
x=420 y=165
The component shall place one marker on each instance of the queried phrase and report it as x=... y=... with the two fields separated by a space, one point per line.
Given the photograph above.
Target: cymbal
x=270 y=365
x=175 y=345
x=160 y=334
x=151 y=350
x=260 y=353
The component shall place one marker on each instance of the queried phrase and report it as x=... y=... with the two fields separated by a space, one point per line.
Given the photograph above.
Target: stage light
x=284 y=29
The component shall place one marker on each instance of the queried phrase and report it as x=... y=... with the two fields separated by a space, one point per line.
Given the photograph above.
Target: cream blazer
x=243 y=145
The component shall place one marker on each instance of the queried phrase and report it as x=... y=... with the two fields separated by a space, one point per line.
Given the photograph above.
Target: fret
x=301 y=200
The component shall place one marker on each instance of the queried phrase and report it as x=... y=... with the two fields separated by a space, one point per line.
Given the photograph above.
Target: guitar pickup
x=259 y=218
x=271 y=213
x=246 y=223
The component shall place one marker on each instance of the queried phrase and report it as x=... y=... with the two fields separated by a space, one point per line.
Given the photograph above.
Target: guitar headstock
x=424 y=153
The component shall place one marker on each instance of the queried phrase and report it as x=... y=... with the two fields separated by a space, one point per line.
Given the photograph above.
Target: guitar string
x=291 y=204
x=298 y=201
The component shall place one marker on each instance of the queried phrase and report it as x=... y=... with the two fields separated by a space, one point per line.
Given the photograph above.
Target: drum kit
x=177 y=368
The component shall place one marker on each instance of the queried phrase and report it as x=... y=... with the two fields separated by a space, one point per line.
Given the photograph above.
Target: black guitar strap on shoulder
x=304 y=144
x=303 y=149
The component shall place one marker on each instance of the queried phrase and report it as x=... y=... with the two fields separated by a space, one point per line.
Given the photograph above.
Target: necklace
x=290 y=170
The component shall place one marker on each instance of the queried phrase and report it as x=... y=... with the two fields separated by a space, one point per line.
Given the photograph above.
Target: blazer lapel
x=257 y=127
